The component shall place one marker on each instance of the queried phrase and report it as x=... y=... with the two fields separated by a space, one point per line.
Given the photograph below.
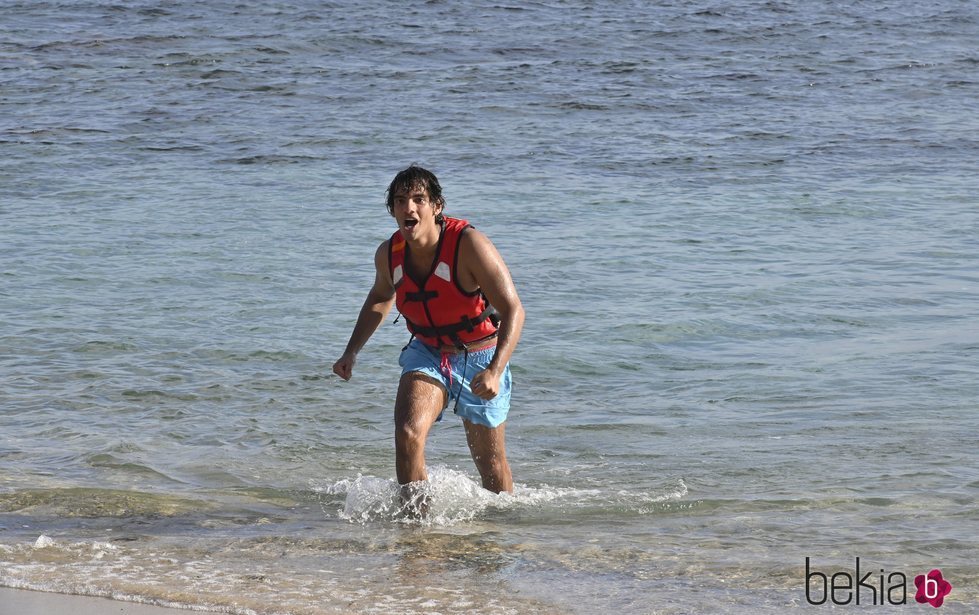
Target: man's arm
x=372 y=314
x=479 y=258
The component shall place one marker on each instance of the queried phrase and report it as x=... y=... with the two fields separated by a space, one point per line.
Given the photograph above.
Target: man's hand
x=344 y=367
x=486 y=384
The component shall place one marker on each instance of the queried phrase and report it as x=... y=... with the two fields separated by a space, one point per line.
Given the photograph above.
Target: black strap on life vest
x=422 y=295
x=451 y=331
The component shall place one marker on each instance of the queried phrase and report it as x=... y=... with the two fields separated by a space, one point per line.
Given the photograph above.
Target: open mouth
x=410 y=223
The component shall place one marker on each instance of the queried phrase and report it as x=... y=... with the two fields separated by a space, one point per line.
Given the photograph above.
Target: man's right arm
x=372 y=314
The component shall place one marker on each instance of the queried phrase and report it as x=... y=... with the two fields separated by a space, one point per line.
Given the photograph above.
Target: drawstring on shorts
x=446 y=367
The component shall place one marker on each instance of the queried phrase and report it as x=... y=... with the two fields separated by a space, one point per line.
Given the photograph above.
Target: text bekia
x=843 y=588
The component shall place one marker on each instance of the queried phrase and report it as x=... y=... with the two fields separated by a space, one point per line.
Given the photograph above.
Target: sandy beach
x=25 y=602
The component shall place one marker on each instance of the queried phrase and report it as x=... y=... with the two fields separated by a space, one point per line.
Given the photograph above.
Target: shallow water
x=744 y=234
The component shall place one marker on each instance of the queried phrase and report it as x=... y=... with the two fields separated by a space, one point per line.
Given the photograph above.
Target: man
x=458 y=300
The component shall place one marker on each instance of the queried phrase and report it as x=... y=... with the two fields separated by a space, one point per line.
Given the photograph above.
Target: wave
x=450 y=497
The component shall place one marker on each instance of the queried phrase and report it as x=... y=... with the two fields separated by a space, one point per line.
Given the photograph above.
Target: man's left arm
x=480 y=257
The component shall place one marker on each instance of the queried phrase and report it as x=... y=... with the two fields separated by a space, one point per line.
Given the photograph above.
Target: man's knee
x=409 y=435
x=489 y=456
x=492 y=464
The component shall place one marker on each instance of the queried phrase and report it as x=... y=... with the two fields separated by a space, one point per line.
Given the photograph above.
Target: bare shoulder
x=480 y=264
x=476 y=248
x=382 y=250
x=381 y=254
x=482 y=267
x=383 y=284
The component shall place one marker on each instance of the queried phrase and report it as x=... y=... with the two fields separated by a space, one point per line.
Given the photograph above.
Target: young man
x=458 y=300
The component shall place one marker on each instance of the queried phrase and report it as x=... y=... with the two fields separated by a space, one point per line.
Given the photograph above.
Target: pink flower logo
x=932 y=588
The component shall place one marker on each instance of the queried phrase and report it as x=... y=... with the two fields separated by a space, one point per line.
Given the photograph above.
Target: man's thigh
x=420 y=401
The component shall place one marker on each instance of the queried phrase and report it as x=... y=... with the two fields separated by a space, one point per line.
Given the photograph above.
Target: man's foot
x=414 y=500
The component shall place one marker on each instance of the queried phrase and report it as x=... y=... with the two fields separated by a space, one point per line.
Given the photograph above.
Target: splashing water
x=452 y=498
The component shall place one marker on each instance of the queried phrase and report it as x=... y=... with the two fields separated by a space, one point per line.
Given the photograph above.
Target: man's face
x=415 y=213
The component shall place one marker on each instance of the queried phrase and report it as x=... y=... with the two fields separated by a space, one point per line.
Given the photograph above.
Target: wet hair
x=412 y=178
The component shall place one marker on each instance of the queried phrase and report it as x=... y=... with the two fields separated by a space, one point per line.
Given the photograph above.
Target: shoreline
x=31 y=602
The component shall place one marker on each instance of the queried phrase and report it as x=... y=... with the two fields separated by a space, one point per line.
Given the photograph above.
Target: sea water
x=744 y=233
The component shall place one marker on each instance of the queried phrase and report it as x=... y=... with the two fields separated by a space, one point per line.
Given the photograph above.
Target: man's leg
x=419 y=402
x=488 y=449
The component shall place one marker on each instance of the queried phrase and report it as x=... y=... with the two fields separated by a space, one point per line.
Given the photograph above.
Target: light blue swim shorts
x=454 y=372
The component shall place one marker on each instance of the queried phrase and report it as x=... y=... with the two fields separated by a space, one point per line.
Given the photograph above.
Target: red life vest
x=436 y=309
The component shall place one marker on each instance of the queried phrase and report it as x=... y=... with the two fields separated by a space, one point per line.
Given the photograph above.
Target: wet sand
x=25 y=602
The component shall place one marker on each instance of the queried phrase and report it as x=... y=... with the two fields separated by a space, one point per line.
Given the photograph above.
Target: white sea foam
x=453 y=497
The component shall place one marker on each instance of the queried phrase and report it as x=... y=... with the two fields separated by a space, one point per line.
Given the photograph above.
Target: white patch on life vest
x=442 y=271
x=399 y=273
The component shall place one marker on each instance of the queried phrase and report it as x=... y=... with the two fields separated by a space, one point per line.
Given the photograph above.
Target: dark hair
x=415 y=177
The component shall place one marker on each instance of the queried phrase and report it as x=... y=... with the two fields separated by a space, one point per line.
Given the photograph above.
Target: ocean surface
x=745 y=233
